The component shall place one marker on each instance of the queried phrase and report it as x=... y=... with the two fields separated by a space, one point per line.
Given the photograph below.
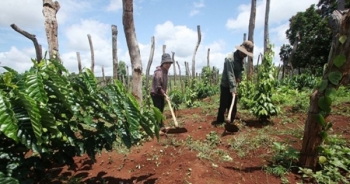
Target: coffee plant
x=49 y=116
x=263 y=107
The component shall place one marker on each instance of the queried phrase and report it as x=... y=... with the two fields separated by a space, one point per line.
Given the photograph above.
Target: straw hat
x=246 y=47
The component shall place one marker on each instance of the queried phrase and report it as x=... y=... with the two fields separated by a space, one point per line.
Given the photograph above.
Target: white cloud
x=25 y=14
x=182 y=40
x=17 y=59
x=196 y=7
x=199 y=4
x=115 y=5
x=77 y=35
x=194 y=12
x=280 y=11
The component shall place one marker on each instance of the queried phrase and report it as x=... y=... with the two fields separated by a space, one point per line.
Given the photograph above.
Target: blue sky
x=172 y=22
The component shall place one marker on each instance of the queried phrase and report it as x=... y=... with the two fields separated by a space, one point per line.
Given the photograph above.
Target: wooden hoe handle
x=231 y=107
x=172 y=112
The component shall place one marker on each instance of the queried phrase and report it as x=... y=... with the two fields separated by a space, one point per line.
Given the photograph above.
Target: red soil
x=161 y=162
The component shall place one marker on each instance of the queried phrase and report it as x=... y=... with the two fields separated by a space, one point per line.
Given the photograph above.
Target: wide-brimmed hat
x=246 y=47
x=166 y=59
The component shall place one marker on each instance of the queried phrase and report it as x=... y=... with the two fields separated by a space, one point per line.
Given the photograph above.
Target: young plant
x=263 y=107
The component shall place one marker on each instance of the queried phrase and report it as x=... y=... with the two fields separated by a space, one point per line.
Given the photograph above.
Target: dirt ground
x=169 y=161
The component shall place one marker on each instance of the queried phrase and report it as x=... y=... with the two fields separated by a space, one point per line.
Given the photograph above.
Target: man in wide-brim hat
x=231 y=77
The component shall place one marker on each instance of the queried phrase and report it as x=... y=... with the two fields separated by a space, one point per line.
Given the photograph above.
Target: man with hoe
x=159 y=85
x=231 y=77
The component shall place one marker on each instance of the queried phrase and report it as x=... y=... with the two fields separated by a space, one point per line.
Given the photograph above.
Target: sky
x=172 y=23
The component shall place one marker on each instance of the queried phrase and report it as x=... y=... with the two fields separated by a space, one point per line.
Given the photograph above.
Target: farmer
x=231 y=77
x=159 y=86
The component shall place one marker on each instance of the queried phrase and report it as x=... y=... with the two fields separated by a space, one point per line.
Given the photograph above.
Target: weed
x=207 y=149
x=334 y=160
x=283 y=159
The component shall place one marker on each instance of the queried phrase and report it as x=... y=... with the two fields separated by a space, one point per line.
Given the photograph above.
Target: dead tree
x=164 y=48
x=103 y=76
x=92 y=54
x=50 y=10
x=32 y=37
x=295 y=46
x=177 y=63
x=341 y=5
x=114 y=51
x=187 y=71
x=208 y=53
x=79 y=62
x=172 y=56
x=150 y=60
x=266 y=27
x=336 y=74
x=134 y=51
x=251 y=37
x=195 y=51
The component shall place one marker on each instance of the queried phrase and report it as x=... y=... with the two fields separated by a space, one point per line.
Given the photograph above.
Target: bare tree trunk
x=195 y=51
x=257 y=67
x=164 y=48
x=32 y=37
x=245 y=64
x=127 y=77
x=208 y=54
x=50 y=10
x=173 y=53
x=251 y=37
x=295 y=46
x=187 y=70
x=284 y=66
x=103 y=76
x=341 y=5
x=336 y=67
x=114 y=51
x=134 y=51
x=79 y=62
x=177 y=63
x=150 y=60
x=278 y=71
x=92 y=54
x=266 y=29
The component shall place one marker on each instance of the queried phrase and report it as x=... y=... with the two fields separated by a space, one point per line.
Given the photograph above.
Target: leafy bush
x=50 y=116
x=283 y=160
x=246 y=93
x=177 y=98
x=263 y=107
x=334 y=160
x=300 y=81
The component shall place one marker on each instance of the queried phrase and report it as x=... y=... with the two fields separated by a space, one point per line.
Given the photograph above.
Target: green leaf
x=35 y=88
x=7 y=180
x=330 y=92
x=342 y=39
x=323 y=134
x=339 y=60
x=320 y=120
x=8 y=122
x=14 y=72
x=324 y=103
x=323 y=85
x=34 y=114
x=335 y=77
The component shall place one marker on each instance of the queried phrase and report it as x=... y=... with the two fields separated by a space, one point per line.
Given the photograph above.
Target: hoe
x=177 y=129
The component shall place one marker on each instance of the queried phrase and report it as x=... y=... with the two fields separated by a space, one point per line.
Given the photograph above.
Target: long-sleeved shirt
x=233 y=67
x=160 y=81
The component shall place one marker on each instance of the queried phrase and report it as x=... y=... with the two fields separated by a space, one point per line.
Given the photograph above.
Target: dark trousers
x=158 y=101
x=225 y=103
